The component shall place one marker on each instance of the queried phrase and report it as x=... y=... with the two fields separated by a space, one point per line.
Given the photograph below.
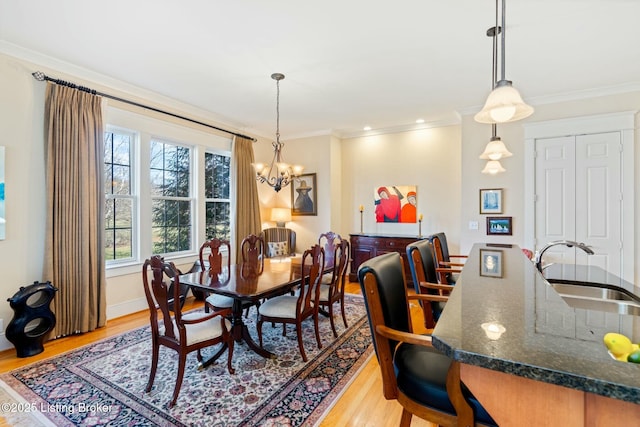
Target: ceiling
x=348 y=63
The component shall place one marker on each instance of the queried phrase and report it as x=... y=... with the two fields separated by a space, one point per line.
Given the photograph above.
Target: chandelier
x=277 y=174
x=504 y=103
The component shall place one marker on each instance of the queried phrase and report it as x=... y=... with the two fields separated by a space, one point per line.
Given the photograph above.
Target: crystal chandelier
x=277 y=174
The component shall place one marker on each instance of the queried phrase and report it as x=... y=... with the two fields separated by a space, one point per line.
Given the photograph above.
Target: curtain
x=74 y=251
x=247 y=207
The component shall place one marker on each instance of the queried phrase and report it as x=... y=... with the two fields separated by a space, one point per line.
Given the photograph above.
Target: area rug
x=103 y=383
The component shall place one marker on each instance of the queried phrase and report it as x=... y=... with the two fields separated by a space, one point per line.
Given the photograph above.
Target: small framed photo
x=499 y=225
x=491 y=201
x=490 y=263
x=303 y=195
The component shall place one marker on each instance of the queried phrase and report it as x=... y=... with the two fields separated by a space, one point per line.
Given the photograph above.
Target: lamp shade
x=495 y=150
x=503 y=105
x=281 y=215
x=493 y=167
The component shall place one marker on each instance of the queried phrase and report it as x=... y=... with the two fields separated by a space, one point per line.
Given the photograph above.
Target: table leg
x=240 y=332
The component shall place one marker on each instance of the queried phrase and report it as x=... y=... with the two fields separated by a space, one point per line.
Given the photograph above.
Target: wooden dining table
x=248 y=283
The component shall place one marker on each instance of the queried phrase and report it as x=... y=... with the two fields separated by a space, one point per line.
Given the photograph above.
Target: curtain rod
x=40 y=76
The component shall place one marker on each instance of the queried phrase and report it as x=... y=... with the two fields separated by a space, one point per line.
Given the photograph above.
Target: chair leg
x=259 y=328
x=300 y=344
x=230 y=356
x=154 y=366
x=316 y=320
x=405 y=421
x=182 y=361
x=333 y=325
x=344 y=317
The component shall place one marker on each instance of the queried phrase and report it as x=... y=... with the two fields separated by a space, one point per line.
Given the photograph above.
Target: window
x=217 y=201
x=119 y=196
x=171 y=198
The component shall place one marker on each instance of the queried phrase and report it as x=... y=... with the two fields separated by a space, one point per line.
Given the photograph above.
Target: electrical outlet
x=473 y=225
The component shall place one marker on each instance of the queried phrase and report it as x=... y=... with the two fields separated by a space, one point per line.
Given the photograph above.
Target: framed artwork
x=491 y=201
x=490 y=263
x=499 y=225
x=304 y=195
x=395 y=203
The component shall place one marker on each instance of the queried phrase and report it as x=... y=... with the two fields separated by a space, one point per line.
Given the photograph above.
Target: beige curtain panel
x=247 y=209
x=74 y=253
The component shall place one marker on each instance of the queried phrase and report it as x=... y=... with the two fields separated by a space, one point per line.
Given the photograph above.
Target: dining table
x=248 y=283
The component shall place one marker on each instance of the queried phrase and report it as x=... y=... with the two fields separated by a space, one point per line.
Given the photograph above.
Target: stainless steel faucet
x=567 y=243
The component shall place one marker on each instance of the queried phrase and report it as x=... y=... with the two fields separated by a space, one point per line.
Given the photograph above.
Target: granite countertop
x=544 y=338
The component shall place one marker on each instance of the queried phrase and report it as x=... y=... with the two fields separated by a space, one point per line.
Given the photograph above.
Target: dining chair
x=211 y=261
x=425 y=280
x=328 y=241
x=294 y=309
x=182 y=332
x=333 y=291
x=424 y=381
x=252 y=251
x=443 y=259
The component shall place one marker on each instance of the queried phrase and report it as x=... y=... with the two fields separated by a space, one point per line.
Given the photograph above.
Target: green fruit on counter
x=634 y=357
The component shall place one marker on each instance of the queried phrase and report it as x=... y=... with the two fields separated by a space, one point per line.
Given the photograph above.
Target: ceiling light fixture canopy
x=504 y=103
x=277 y=174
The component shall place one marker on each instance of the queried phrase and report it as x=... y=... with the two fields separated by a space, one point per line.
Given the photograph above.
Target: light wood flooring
x=361 y=405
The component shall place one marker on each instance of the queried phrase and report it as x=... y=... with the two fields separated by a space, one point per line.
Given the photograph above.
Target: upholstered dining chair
x=328 y=241
x=425 y=280
x=294 y=309
x=279 y=241
x=183 y=333
x=424 y=381
x=443 y=259
x=333 y=291
x=211 y=261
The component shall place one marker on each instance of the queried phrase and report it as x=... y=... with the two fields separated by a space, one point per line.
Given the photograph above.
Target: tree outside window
x=217 y=191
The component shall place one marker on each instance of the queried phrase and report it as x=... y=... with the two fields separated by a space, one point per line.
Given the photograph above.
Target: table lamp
x=280 y=216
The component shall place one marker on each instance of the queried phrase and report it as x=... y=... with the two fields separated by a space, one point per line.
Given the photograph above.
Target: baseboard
x=127 y=307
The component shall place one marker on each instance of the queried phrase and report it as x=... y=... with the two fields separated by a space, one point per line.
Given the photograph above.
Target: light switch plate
x=473 y=225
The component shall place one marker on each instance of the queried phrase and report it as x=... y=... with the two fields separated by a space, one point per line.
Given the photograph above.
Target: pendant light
x=495 y=149
x=504 y=103
x=277 y=174
x=493 y=167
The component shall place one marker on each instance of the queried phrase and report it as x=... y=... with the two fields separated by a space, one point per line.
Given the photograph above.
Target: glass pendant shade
x=493 y=167
x=495 y=150
x=504 y=105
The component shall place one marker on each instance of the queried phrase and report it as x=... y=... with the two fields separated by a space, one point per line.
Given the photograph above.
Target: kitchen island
x=527 y=355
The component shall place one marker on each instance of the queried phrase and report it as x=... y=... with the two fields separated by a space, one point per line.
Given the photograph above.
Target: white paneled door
x=578 y=189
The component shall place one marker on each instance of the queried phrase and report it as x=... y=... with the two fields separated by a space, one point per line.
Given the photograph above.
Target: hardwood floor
x=362 y=403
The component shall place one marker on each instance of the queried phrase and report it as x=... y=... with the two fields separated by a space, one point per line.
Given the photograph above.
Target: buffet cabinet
x=367 y=246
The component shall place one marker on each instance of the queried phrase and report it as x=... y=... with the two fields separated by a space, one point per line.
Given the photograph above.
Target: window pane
x=123 y=246
x=109 y=213
x=108 y=147
x=108 y=178
x=157 y=181
x=121 y=149
x=123 y=213
x=121 y=180
x=169 y=186
x=157 y=158
x=218 y=220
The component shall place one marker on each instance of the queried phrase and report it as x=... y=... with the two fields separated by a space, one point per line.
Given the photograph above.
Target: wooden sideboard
x=367 y=246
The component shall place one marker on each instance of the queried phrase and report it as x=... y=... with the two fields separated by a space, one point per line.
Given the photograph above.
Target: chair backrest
x=275 y=240
x=423 y=269
x=310 y=270
x=341 y=260
x=252 y=250
x=161 y=295
x=212 y=250
x=441 y=254
x=329 y=241
x=383 y=286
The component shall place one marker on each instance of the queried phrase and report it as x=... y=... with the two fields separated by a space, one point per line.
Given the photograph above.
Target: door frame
x=622 y=122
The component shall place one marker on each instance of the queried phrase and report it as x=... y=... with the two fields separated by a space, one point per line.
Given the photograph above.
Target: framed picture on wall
x=491 y=201
x=499 y=225
x=304 y=196
x=490 y=263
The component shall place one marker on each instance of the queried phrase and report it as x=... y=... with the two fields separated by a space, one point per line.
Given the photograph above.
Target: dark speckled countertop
x=544 y=338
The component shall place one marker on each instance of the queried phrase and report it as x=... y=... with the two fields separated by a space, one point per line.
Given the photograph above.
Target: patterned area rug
x=103 y=383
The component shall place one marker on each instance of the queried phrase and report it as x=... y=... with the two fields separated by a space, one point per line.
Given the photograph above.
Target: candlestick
x=361 y=209
x=420 y=226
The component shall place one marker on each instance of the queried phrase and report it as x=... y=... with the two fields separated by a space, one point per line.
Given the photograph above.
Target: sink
x=595 y=296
